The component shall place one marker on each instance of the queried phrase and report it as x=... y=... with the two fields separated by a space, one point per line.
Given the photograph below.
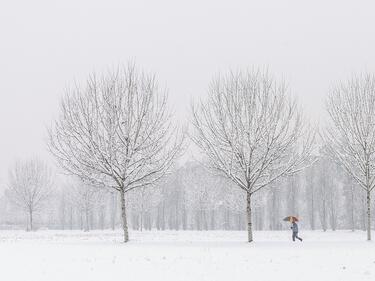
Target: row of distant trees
x=116 y=133
x=190 y=197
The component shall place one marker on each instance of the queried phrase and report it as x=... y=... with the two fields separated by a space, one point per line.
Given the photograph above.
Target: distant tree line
x=191 y=198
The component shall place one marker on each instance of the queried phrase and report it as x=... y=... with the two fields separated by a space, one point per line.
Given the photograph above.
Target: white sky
x=46 y=45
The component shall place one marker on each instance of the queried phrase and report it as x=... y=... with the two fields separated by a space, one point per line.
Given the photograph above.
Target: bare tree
x=251 y=131
x=350 y=202
x=274 y=205
x=311 y=193
x=350 y=134
x=234 y=201
x=324 y=182
x=292 y=192
x=201 y=192
x=30 y=185
x=83 y=197
x=116 y=133
x=113 y=209
x=141 y=201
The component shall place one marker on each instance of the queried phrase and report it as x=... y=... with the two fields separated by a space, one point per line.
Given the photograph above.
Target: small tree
x=141 y=201
x=116 y=133
x=350 y=134
x=200 y=196
x=311 y=193
x=30 y=186
x=83 y=197
x=251 y=131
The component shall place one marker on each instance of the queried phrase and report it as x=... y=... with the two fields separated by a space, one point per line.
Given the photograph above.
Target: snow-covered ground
x=185 y=255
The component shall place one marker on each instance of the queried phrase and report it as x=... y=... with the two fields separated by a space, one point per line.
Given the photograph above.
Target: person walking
x=294 y=228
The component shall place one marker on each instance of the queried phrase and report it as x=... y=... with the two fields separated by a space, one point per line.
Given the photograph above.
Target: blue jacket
x=294 y=227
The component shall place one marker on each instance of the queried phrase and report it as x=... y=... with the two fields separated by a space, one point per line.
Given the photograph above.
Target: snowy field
x=184 y=255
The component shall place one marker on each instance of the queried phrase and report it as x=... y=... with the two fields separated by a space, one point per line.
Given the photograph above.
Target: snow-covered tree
x=350 y=201
x=84 y=197
x=116 y=132
x=311 y=201
x=141 y=203
x=274 y=205
x=113 y=209
x=350 y=134
x=252 y=131
x=194 y=182
x=233 y=200
x=324 y=182
x=292 y=192
x=30 y=186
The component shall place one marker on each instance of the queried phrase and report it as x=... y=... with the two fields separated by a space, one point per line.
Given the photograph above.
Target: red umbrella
x=290 y=218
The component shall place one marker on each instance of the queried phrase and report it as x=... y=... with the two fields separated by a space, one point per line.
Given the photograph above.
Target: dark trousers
x=295 y=235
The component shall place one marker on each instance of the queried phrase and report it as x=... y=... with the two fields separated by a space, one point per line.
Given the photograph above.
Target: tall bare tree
x=252 y=131
x=116 y=132
x=350 y=134
x=30 y=185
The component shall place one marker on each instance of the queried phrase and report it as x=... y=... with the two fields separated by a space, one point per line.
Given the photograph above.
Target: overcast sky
x=47 y=45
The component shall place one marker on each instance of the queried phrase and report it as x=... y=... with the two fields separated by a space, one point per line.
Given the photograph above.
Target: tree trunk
x=239 y=217
x=184 y=218
x=198 y=220
x=368 y=216
x=31 y=220
x=212 y=221
x=123 y=215
x=141 y=223
x=227 y=222
x=158 y=218
x=163 y=217
x=204 y=220
x=324 y=217
x=71 y=218
x=102 y=215
x=177 y=223
x=249 y=223
x=86 y=220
